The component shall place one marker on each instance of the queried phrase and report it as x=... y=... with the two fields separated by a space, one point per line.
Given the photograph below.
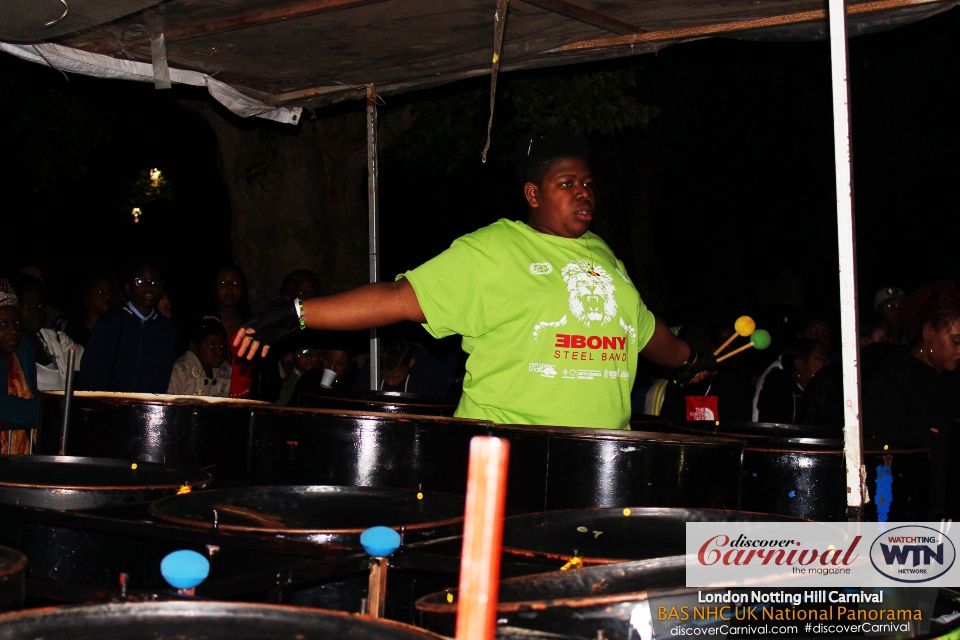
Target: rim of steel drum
x=549 y=524
x=12 y=562
x=749 y=430
x=619 y=435
x=387 y=397
x=784 y=437
x=547 y=589
x=374 y=415
x=193 y=620
x=306 y=501
x=592 y=589
x=102 y=474
x=160 y=398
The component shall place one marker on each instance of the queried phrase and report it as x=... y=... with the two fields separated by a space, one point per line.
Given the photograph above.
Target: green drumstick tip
x=760 y=339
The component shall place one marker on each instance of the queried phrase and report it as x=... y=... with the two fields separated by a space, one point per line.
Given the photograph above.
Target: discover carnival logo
x=742 y=550
x=820 y=554
x=912 y=553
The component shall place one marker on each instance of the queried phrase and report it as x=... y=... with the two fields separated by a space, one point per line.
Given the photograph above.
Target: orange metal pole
x=482 y=535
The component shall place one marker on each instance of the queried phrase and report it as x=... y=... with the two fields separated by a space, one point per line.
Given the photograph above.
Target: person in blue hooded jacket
x=131 y=347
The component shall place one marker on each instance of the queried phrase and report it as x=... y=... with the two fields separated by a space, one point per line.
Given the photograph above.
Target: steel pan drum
x=377 y=401
x=192 y=620
x=794 y=470
x=572 y=468
x=182 y=431
x=614 y=601
x=346 y=448
x=321 y=514
x=603 y=536
x=575 y=604
x=550 y=467
x=66 y=482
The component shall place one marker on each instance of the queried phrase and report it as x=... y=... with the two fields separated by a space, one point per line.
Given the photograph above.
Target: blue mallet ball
x=380 y=542
x=184 y=569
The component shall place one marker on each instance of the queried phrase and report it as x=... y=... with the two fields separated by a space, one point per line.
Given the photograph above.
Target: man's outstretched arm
x=366 y=307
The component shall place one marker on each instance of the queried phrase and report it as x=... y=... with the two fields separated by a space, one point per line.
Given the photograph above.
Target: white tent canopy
x=72 y=60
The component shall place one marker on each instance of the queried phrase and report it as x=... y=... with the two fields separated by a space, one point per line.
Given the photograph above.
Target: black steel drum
x=572 y=468
x=794 y=470
x=618 y=602
x=550 y=467
x=377 y=401
x=604 y=536
x=321 y=514
x=12 y=589
x=193 y=620
x=345 y=448
x=579 y=603
x=182 y=431
x=66 y=482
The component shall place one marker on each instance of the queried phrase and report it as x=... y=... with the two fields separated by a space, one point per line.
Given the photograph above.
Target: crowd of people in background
x=125 y=340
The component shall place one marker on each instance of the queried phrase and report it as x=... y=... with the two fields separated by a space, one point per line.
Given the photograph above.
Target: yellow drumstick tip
x=450 y=597
x=419 y=496
x=745 y=326
x=133 y=466
x=626 y=512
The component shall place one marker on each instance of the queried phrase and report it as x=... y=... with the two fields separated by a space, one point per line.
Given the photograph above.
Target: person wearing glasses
x=132 y=345
x=551 y=321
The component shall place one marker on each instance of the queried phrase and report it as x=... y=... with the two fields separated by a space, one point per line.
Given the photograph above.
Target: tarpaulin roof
x=266 y=58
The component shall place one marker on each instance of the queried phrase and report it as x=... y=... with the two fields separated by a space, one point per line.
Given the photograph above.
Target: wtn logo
x=912 y=554
x=900 y=554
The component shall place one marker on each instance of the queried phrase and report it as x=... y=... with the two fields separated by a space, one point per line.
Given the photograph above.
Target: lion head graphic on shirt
x=591 y=296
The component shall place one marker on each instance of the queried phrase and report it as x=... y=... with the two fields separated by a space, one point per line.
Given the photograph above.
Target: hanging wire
x=499 y=22
x=66 y=10
x=52 y=66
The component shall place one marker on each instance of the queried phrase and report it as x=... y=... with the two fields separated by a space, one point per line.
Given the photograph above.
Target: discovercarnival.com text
x=767 y=630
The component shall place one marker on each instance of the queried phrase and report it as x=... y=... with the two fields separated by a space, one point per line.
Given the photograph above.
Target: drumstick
x=735 y=352
x=482 y=534
x=744 y=326
x=726 y=344
x=760 y=339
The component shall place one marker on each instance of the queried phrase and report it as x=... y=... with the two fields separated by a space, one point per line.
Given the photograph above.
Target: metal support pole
x=67 y=401
x=846 y=232
x=373 y=221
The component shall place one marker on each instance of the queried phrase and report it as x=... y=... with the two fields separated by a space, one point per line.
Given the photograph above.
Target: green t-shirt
x=550 y=342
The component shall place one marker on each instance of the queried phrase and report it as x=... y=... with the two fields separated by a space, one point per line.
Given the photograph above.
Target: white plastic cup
x=328 y=377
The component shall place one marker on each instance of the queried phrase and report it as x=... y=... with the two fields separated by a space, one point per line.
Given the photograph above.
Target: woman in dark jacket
x=911 y=400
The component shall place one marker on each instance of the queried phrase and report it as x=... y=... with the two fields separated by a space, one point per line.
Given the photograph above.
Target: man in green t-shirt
x=552 y=323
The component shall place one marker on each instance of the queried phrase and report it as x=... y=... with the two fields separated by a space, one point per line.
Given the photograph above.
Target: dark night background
x=727 y=192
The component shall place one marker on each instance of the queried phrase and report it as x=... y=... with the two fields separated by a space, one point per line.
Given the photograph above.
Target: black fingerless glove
x=274 y=322
x=695 y=364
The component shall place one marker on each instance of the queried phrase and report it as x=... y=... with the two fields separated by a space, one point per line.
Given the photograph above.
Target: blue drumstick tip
x=184 y=569
x=380 y=542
